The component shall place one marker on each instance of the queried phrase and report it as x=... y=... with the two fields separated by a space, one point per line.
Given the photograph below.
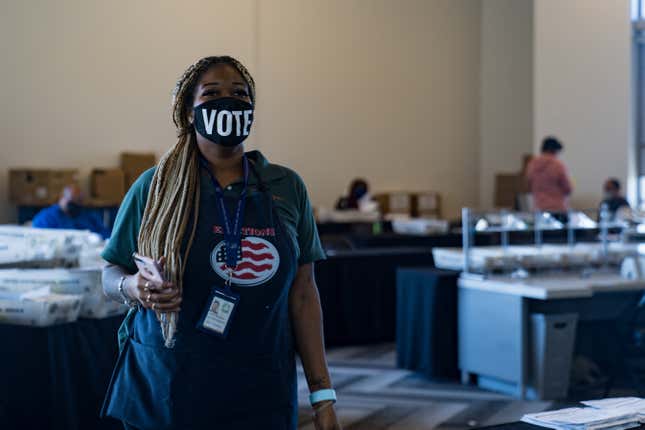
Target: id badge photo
x=218 y=313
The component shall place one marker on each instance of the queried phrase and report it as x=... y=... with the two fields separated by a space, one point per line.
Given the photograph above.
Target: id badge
x=219 y=312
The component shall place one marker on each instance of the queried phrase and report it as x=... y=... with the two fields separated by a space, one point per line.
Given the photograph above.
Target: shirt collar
x=267 y=171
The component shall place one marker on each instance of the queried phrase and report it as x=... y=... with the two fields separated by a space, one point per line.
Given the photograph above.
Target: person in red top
x=548 y=178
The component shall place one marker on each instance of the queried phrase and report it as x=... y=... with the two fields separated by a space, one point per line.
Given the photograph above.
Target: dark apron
x=246 y=381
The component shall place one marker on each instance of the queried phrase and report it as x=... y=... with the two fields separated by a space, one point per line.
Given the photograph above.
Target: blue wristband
x=322 y=395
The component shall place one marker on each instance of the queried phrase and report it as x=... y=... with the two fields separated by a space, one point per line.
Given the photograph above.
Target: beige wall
x=85 y=80
x=582 y=88
x=381 y=89
x=506 y=110
x=393 y=91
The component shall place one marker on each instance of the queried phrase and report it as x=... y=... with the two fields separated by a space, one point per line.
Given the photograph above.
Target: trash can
x=551 y=351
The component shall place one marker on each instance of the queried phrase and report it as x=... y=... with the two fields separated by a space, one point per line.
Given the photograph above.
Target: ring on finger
x=147 y=285
x=148 y=297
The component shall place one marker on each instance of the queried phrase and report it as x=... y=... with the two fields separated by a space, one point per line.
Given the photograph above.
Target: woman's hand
x=158 y=296
x=325 y=416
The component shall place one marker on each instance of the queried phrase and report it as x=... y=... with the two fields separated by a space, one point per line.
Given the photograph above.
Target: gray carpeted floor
x=375 y=395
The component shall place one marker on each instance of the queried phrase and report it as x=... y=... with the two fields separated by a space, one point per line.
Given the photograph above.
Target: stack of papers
x=632 y=404
x=85 y=283
x=40 y=308
x=606 y=414
x=32 y=247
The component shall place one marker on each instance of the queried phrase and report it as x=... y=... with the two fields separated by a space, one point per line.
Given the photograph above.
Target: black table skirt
x=426 y=321
x=358 y=294
x=56 y=377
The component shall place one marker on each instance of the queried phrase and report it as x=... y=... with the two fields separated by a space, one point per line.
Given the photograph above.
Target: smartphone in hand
x=149 y=268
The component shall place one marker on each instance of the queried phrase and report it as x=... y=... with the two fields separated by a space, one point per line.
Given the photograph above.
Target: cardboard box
x=395 y=202
x=107 y=186
x=427 y=204
x=134 y=164
x=507 y=187
x=39 y=187
x=526 y=159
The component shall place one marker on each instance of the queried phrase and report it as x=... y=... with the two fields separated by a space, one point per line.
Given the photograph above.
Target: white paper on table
x=555 y=418
x=617 y=402
x=627 y=404
x=627 y=423
x=583 y=418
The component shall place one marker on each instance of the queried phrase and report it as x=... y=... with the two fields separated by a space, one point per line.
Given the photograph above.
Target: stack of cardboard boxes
x=427 y=205
x=414 y=204
x=107 y=187
x=134 y=164
x=395 y=203
x=42 y=187
x=39 y=187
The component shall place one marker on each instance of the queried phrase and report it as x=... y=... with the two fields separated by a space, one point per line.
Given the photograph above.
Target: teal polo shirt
x=289 y=197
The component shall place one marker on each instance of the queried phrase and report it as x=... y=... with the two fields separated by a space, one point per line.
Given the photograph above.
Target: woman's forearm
x=111 y=277
x=306 y=316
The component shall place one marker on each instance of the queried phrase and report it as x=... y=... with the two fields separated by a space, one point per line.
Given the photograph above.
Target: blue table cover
x=426 y=321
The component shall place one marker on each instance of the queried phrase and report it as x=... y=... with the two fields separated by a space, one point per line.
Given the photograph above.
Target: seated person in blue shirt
x=613 y=197
x=69 y=213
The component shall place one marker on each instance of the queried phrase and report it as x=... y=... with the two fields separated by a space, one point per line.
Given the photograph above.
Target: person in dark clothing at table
x=358 y=190
x=70 y=213
x=613 y=197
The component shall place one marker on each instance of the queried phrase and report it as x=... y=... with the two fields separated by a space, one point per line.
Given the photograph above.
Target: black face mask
x=226 y=121
x=74 y=209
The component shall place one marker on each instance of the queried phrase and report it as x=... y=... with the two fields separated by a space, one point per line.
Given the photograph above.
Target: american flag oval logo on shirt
x=259 y=262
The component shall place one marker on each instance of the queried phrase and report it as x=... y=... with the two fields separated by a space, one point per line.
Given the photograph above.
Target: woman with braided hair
x=210 y=344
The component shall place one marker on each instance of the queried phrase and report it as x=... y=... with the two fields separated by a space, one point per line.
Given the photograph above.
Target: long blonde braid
x=174 y=191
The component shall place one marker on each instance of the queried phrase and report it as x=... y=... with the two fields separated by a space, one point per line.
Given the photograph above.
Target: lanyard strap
x=232 y=233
